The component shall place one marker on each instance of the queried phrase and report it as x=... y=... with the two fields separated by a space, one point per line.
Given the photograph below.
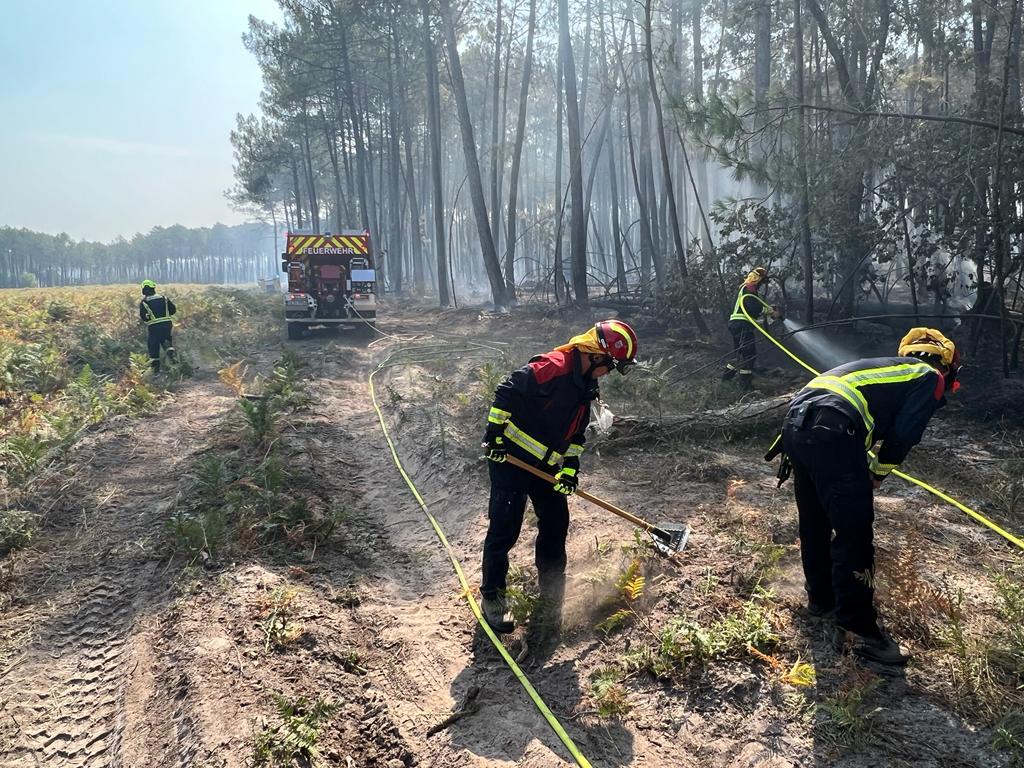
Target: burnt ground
x=114 y=651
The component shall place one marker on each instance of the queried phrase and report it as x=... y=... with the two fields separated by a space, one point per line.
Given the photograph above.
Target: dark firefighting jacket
x=749 y=300
x=892 y=398
x=156 y=310
x=544 y=408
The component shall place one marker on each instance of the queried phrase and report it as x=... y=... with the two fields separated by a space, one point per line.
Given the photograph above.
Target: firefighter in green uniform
x=743 y=335
x=157 y=312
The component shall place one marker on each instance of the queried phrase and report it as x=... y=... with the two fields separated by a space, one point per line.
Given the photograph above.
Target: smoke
x=823 y=352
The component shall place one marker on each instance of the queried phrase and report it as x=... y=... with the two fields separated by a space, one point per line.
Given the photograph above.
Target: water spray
x=978 y=517
x=825 y=352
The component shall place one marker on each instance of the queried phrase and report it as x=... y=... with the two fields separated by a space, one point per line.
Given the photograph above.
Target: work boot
x=819 y=611
x=728 y=373
x=497 y=614
x=549 y=605
x=881 y=649
x=744 y=381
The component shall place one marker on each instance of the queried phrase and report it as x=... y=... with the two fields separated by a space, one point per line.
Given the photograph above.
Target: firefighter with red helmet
x=539 y=415
x=829 y=427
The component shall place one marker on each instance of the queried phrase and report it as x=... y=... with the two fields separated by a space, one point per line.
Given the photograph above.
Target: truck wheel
x=294 y=331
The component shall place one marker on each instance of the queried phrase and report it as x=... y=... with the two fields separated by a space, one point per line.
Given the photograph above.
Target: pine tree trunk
x=805 y=207
x=434 y=138
x=578 y=224
x=476 y=187
x=495 y=125
x=673 y=215
x=517 y=154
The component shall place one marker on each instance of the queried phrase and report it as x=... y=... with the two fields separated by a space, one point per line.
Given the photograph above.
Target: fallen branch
x=741 y=417
x=468 y=706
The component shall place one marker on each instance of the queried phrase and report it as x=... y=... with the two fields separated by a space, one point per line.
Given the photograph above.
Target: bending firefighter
x=830 y=425
x=743 y=337
x=539 y=415
x=157 y=312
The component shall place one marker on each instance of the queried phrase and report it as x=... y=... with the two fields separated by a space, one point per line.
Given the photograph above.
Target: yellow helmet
x=929 y=341
x=756 y=276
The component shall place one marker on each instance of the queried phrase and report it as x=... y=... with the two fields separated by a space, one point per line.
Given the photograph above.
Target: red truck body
x=331 y=281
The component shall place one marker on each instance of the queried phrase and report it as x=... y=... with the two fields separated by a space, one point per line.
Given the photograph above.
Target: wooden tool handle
x=637 y=521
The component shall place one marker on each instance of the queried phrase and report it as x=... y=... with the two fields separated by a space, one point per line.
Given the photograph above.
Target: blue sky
x=115 y=114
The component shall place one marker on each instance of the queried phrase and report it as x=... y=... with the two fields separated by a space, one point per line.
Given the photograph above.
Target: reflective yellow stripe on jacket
x=533 y=447
x=498 y=416
x=848 y=386
x=153 y=319
x=737 y=309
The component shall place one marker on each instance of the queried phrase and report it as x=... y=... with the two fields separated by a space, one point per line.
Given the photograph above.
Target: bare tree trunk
x=559 y=148
x=410 y=179
x=805 y=207
x=332 y=151
x=762 y=52
x=476 y=187
x=297 y=192
x=616 y=227
x=395 y=248
x=434 y=126
x=673 y=214
x=495 y=125
x=364 y=171
x=314 y=203
x=999 y=194
x=700 y=157
x=578 y=231
x=647 y=250
x=517 y=154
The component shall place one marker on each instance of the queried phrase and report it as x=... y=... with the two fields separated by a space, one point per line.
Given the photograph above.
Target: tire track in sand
x=99 y=580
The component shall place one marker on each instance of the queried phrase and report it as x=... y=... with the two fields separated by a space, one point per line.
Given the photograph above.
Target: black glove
x=494 y=445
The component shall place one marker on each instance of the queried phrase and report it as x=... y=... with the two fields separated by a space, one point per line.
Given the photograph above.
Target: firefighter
x=539 y=415
x=157 y=312
x=743 y=336
x=830 y=425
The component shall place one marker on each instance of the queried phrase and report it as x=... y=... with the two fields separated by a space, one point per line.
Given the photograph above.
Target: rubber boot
x=728 y=373
x=497 y=615
x=744 y=381
x=880 y=649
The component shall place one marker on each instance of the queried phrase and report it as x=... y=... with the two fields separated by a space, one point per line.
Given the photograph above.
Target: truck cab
x=331 y=281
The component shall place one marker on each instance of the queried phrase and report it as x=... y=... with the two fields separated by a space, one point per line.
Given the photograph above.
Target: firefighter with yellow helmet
x=540 y=414
x=882 y=404
x=744 y=336
x=157 y=313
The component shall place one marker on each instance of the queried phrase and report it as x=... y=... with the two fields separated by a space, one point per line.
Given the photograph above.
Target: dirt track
x=114 y=658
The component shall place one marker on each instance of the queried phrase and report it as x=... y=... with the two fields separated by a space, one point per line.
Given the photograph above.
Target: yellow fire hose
x=931 y=489
x=467 y=592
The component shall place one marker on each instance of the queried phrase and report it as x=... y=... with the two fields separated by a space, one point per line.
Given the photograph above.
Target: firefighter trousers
x=835 y=501
x=744 y=346
x=510 y=488
x=159 y=338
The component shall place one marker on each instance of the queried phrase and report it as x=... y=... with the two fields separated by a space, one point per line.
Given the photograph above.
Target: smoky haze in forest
x=490 y=146
x=641 y=150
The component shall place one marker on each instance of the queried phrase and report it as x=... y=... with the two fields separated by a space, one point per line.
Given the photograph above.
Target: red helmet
x=618 y=340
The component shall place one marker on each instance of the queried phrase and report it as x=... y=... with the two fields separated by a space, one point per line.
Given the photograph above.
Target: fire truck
x=331 y=281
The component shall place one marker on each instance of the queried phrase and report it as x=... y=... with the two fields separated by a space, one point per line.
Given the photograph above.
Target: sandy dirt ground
x=116 y=652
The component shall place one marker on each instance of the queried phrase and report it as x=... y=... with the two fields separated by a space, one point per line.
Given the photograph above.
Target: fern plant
x=297 y=735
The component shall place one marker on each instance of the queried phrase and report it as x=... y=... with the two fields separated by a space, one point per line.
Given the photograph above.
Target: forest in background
x=863 y=149
x=219 y=254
